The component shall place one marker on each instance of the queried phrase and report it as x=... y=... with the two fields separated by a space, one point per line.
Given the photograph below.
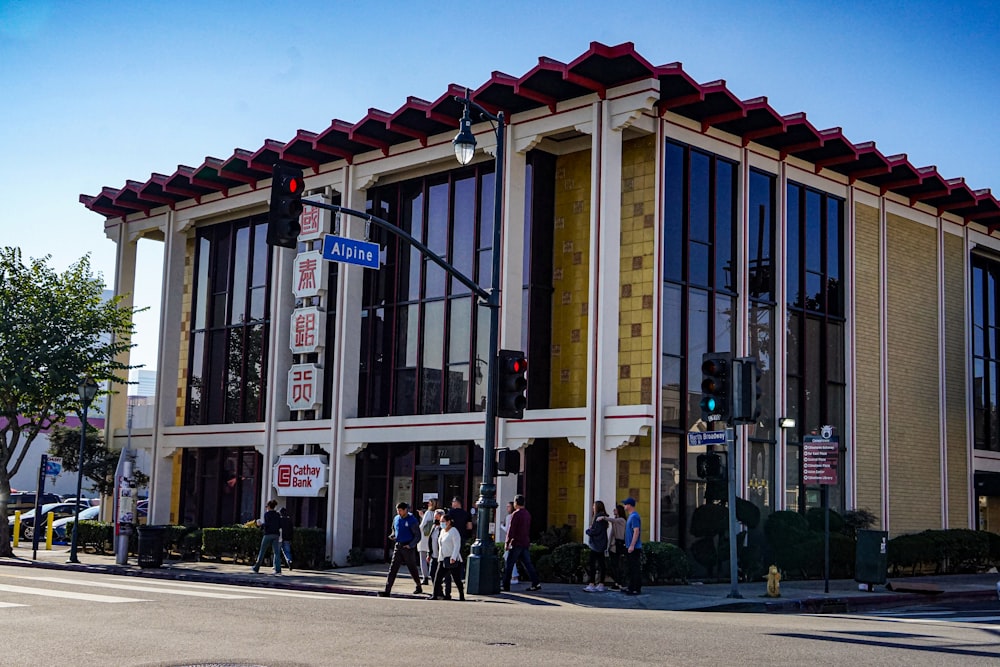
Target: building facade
x=647 y=219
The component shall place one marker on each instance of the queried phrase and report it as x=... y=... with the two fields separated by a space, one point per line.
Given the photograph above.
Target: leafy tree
x=54 y=330
x=99 y=462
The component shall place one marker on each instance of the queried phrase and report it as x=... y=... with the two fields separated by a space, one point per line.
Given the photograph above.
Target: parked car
x=61 y=527
x=86 y=502
x=24 y=501
x=58 y=510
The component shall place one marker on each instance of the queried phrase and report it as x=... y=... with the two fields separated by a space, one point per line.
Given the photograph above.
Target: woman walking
x=450 y=563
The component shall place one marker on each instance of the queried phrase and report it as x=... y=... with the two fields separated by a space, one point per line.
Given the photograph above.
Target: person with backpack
x=406 y=533
x=271 y=522
x=598 y=534
x=423 y=549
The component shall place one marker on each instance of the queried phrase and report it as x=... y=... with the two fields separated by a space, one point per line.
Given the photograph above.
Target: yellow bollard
x=17 y=527
x=48 y=531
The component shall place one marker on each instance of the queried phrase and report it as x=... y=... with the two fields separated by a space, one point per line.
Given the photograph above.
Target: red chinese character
x=309 y=221
x=307 y=274
x=305 y=330
x=302 y=386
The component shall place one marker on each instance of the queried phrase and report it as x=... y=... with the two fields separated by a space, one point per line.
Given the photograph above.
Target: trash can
x=871 y=564
x=151 y=546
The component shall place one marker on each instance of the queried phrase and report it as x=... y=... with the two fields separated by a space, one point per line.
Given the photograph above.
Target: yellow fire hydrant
x=773 y=579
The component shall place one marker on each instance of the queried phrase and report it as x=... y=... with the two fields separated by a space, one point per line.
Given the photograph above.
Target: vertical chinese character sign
x=307 y=333
x=315 y=222
x=308 y=273
x=305 y=382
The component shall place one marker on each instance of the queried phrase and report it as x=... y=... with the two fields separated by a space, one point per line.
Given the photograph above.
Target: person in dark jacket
x=406 y=533
x=271 y=522
x=287 y=531
x=598 y=534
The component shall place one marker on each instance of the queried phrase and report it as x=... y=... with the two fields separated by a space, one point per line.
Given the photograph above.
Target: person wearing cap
x=406 y=533
x=633 y=547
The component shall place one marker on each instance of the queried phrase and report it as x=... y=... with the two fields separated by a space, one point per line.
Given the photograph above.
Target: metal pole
x=826 y=538
x=734 y=591
x=79 y=484
x=483 y=577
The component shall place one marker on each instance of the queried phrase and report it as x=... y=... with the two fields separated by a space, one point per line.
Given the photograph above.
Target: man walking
x=517 y=546
x=633 y=547
x=271 y=523
x=406 y=533
x=463 y=520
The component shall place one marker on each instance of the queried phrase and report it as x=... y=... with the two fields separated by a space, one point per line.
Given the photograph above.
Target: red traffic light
x=291 y=184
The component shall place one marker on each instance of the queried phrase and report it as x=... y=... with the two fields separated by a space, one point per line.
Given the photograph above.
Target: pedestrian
x=406 y=533
x=617 y=548
x=423 y=549
x=633 y=547
x=598 y=534
x=287 y=532
x=434 y=554
x=504 y=528
x=271 y=522
x=450 y=560
x=518 y=544
x=463 y=520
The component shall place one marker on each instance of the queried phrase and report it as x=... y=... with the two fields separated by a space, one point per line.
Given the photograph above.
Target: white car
x=58 y=511
x=60 y=527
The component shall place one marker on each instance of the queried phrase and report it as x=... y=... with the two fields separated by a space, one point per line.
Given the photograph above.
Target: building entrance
x=443 y=484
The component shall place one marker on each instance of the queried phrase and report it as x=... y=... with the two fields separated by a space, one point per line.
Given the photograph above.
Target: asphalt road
x=75 y=618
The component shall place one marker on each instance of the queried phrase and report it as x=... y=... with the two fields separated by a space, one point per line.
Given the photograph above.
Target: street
x=83 y=618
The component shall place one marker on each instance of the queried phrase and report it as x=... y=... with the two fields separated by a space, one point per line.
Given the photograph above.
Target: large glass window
x=986 y=353
x=227 y=353
x=420 y=329
x=699 y=300
x=816 y=386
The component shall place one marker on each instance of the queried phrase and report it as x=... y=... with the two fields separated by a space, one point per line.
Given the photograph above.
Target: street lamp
x=484 y=573
x=88 y=390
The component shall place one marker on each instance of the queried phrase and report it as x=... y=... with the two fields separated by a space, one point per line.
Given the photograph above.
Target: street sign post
x=820 y=459
x=700 y=439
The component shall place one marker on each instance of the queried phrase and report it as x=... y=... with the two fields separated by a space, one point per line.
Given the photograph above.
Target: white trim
x=851 y=353
x=942 y=369
x=883 y=328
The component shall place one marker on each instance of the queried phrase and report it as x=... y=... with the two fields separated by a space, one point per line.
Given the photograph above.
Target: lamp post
x=484 y=573
x=88 y=390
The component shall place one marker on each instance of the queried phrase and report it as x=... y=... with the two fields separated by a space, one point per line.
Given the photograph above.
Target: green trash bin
x=151 y=546
x=871 y=565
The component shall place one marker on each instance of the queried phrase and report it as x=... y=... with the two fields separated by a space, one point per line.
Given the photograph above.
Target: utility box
x=871 y=565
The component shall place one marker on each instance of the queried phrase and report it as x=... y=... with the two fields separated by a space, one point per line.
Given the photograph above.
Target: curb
x=848 y=604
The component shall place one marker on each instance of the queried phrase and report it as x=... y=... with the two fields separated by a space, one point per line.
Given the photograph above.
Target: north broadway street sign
x=350 y=251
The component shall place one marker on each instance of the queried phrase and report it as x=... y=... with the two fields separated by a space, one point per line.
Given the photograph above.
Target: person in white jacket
x=426 y=523
x=450 y=560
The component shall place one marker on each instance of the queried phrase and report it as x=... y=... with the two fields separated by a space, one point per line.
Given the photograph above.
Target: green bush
x=556 y=536
x=95 y=535
x=568 y=562
x=308 y=548
x=664 y=563
x=788 y=535
x=241 y=543
x=941 y=551
x=815 y=516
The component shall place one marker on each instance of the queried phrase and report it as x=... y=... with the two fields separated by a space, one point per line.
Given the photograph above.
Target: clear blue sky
x=95 y=93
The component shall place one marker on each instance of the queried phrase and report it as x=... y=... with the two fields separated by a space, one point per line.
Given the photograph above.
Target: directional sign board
x=820 y=458
x=696 y=439
x=350 y=251
x=53 y=466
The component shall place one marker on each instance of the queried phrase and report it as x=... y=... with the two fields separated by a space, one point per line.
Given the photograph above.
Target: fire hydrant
x=773 y=579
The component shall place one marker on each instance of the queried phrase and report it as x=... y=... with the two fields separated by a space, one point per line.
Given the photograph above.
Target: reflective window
x=986 y=353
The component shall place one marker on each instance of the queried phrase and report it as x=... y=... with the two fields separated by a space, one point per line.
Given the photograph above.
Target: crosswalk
x=19 y=590
x=986 y=617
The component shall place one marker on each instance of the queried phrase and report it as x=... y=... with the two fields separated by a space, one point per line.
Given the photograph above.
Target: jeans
x=519 y=554
x=269 y=542
x=402 y=555
x=634 y=561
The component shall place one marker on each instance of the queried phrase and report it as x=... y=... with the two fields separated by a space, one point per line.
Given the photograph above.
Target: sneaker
x=591 y=588
x=275 y=573
x=600 y=588
x=515 y=580
x=418 y=591
x=535 y=587
x=254 y=569
x=383 y=594
x=614 y=587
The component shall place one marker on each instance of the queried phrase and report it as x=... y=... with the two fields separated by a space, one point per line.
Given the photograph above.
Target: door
x=443 y=484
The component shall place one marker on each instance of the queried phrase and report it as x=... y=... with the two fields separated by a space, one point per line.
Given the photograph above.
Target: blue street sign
x=696 y=439
x=350 y=251
x=53 y=466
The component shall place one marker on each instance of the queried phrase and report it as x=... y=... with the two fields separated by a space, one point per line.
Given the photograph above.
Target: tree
x=99 y=462
x=55 y=328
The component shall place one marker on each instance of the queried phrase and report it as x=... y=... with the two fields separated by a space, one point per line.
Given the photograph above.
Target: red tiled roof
x=595 y=71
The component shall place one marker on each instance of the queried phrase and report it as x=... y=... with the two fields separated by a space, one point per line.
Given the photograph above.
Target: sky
x=96 y=93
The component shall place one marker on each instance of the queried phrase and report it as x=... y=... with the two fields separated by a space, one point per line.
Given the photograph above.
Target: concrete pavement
x=796 y=596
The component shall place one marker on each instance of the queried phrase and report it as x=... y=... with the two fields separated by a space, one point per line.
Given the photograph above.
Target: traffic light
x=709 y=466
x=511 y=384
x=716 y=389
x=747 y=392
x=508 y=461
x=287 y=185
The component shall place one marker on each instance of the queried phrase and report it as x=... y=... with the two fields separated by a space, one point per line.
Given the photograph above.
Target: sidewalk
x=796 y=596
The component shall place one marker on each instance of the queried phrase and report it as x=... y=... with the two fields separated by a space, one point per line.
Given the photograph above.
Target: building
x=647 y=219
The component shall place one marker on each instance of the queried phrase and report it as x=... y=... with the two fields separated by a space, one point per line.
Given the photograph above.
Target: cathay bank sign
x=304 y=475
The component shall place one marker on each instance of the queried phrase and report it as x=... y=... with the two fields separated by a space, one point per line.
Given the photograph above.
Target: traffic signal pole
x=734 y=591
